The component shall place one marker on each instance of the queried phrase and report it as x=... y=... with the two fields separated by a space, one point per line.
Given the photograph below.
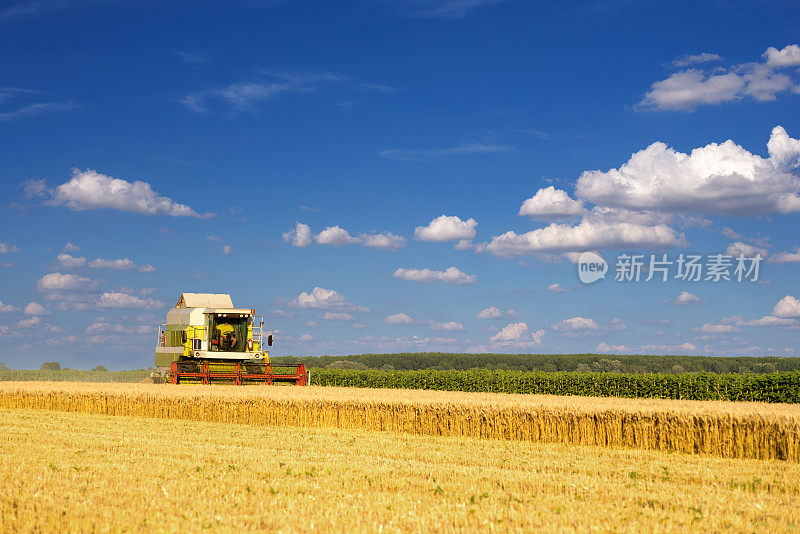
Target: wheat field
x=77 y=472
x=723 y=429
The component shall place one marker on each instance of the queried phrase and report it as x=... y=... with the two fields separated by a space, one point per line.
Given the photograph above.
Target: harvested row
x=731 y=430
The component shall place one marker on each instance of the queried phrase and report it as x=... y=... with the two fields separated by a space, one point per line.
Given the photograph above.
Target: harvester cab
x=206 y=340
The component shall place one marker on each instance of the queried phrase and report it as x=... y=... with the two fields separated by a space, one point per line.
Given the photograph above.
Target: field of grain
x=724 y=429
x=78 y=472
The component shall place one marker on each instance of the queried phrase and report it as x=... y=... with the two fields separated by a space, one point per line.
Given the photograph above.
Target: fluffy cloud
x=299 y=236
x=788 y=57
x=117 y=299
x=6 y=248
x=34 y=308
x=686 y=299
x=687 y=89
x=88 y=190
x=710 y=328
x=767 y=320
x=575 y=323
x=518 y=333
x=65 y=282
x=489 y=313
x=592 y=233
x=321 y=298
x=718 y=178
x=69 y=247
x=451 y=275
x=446 y=228
x=385 y=240
x=117 y=265
x=335 y=235
x=226 y=250
x=605 y=347
x=557 y=288
x=786 y=257
x=27 y=323
x=398 y=318
x=788 y=306
x=70 y=262
x=551 y=204
x=7 y=308
x=451 y=326
x=739 y=248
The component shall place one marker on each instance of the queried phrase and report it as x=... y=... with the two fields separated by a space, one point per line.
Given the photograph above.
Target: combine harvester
x=207 y=341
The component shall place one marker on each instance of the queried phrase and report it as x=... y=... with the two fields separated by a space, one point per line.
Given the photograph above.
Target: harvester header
x=206 y=340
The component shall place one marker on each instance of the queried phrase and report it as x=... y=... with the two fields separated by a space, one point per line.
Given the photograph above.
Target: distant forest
x=549 y=362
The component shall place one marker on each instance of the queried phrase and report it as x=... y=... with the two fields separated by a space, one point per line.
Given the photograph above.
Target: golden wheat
x=731 y=430
x=73 y=472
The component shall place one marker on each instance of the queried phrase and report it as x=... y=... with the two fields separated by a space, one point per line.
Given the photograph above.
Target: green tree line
x=596 y=363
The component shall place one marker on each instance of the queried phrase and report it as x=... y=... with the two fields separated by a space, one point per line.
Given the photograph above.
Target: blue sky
x=397 y=176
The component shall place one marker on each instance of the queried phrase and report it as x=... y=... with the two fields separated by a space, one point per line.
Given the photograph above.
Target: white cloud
x=7 y=308
x=592 y=233
x=686 y=299
x=789 y=56
x=720 y=178
x=446 y=228
x=226 y=250
x=335 y=235
x=768 y=320
x=510 y=332
x=575 y=323
x=710 y=328
x=69 y=262
x=385 y=240
x=694 y=59
x=146 y=268
x=489 y=313
x=605 y=347
x=6 y=248
x=451 y=326
x=399 y=318
x=687 y=89
x=683 y=347
x=337 y=316
x=27 y=323
x=517 y=334
x=321 y=298
x=451 y=275
x=786 y=257
x=551 y=204
x=788 y=306
x=557 y=288
x=88 y=190
x=69 y=247
x=34 y=308
x=299 y=236
x=65 y=282
x=121 y=264
x=117 y=299
x=739 y=248
x=306 y=337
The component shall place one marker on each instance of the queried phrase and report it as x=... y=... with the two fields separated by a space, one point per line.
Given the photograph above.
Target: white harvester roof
x=204 y=300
